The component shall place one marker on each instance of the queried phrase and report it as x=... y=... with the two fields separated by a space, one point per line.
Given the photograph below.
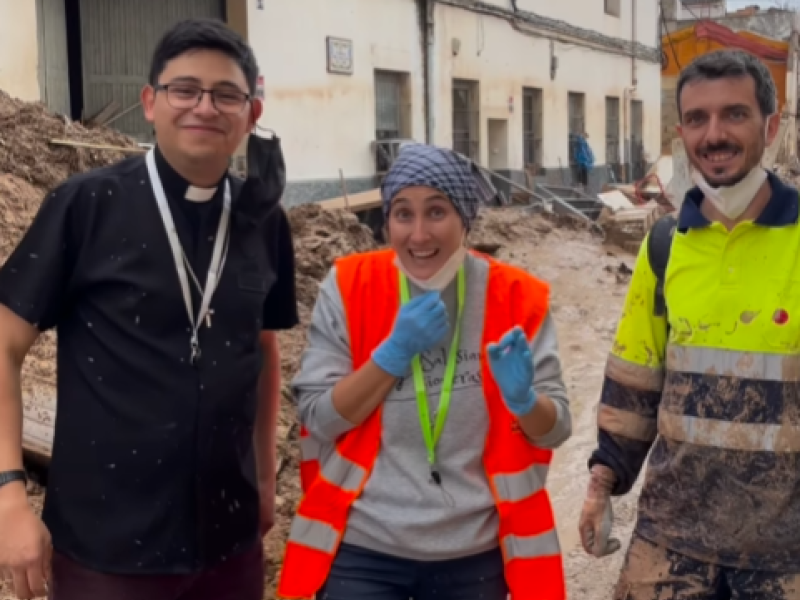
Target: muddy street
x=588 y=285
x=587 y=295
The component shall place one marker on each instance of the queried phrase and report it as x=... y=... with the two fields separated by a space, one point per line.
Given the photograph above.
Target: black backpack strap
x=659 y=244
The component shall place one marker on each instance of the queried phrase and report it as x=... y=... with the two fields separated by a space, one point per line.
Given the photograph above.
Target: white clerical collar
x=197 y=194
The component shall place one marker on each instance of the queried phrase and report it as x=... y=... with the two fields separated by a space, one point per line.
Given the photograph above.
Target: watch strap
x=11 y=476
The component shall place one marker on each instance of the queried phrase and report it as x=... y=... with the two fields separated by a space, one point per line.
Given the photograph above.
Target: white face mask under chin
x=733 y=200
x=442 y=278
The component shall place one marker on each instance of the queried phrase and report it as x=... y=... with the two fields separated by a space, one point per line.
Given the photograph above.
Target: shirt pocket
x=253 y=284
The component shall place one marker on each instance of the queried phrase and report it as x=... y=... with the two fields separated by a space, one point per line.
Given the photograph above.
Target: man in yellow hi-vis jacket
x=704 y=373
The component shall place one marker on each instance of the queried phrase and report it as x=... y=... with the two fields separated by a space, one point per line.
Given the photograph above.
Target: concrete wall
x=589 y=15
x=504 y=61
x=19 y=51
x=327 y=121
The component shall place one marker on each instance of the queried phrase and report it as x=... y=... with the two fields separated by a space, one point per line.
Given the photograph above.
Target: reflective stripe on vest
x=513 y=487
x=309 y=458
x=516 y=470
x=342 y=473
x=532 y=546
x=314 y=534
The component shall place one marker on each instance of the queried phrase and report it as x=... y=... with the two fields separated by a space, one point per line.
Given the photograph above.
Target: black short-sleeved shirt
x=153 y=469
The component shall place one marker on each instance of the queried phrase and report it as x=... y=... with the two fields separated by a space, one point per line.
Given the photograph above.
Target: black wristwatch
x=10 y=476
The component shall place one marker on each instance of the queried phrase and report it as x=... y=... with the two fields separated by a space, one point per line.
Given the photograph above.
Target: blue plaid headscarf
x=438 y=168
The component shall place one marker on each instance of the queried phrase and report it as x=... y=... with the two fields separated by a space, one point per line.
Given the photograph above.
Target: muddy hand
x=597 y=516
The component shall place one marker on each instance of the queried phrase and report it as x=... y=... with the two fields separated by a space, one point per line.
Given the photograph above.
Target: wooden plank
x=103 y=115
x=37 y=438
x=76 y=144
x=355 y=202
x=38 y=419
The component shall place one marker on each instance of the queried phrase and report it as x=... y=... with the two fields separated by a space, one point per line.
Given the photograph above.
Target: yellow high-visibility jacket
x=713 y=395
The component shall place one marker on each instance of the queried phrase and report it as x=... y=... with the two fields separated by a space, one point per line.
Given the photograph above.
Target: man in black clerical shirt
x=165 y=279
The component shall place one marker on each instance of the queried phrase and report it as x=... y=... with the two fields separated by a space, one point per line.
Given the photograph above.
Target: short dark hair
x=722 y=64
x=204 y=34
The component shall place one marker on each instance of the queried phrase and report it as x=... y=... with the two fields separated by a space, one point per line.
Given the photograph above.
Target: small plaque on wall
x=340 y=55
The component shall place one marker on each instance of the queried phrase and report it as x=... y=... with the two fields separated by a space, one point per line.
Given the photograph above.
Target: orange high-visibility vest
x=515 y=468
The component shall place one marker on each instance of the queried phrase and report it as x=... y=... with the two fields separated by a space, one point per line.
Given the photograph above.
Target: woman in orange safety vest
x=431 y=398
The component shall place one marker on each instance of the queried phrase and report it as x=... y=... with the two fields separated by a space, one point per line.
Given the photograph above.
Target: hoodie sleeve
x=326 y=360
x=548 y=380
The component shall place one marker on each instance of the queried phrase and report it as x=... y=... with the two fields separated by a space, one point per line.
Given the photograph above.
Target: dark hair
x=722 y=64
x=204 y=34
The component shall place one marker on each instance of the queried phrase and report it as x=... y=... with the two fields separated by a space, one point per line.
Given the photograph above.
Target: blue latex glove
x=420 y=324
x=511 y=363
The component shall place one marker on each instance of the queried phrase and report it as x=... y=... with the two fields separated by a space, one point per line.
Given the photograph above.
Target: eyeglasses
x=184 y=96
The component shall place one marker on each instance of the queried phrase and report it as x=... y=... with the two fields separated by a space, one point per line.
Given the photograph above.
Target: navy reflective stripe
x=626 y=423
x=762 y=366
x=729 y=435
x=634 y=376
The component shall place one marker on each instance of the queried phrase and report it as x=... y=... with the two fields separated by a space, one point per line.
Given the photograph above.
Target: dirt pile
x=19 y=201
x=790 y=172
x=587 y=291
x=26 y=129
x=30 y=166
x=503 y=226
x=627 y=228
x=320 y=237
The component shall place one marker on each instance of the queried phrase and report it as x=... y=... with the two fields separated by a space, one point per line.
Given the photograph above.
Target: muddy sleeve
x=548 y=381
x=37 y=280
x=326 y=360
x=634 y=379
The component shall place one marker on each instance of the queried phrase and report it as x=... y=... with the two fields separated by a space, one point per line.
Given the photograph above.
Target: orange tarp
x=681 y=47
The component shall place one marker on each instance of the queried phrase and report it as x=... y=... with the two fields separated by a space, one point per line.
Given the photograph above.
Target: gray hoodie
x=401 y=512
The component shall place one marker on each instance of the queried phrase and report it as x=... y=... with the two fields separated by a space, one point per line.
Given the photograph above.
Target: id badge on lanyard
x=218 y=256
x=432 y=433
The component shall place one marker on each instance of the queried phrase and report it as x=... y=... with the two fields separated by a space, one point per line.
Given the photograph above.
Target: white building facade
x=18 y=49
x=504 y=82
x=507 y=82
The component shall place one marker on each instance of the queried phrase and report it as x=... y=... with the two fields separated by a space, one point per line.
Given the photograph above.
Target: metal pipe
x=430 y=72
x=552 y=198
x=633 y=44
x=627 y=97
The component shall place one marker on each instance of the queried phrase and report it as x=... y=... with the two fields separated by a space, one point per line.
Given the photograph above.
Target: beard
x=722 y=176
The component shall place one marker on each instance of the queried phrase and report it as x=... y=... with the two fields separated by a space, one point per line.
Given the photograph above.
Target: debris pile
x=320 y=237
x=495 y=228
x=627 y=227
x=790 y=172
x=26 y=130
x=586 y=297
x=30 y=165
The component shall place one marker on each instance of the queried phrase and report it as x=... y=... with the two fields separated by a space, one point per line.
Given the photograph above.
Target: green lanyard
x=431 y=435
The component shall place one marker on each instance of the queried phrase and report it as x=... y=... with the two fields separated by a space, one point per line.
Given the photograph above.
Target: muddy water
x=587 y=297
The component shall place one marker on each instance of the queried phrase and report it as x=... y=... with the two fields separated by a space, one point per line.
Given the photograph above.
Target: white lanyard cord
x=218 y=256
